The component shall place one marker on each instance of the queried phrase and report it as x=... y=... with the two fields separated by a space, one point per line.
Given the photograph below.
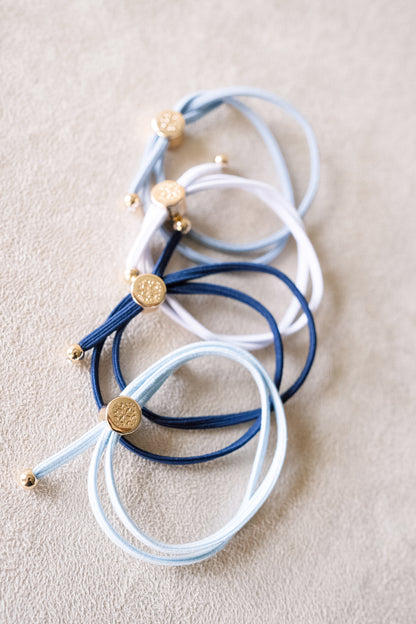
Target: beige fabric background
x=336 y=540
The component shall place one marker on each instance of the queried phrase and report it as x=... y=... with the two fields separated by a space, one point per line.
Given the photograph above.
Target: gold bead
x=132 y=201
x=170 y=125
x=123 y=415
x=130 y=275
x=102 y=413
x=148 y=290
x=27 y=479
x=221 y=159
x=181 y=224
x=75 y=353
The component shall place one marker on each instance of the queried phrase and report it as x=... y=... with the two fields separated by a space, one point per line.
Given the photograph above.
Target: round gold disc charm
x=169 y=124
x=123 y=415
x=168 y=193
x=148 y=290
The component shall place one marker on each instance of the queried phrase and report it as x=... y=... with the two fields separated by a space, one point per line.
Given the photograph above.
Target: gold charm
x=168 y=193
x=148 y=290
x=170 y=125
x=123 y=415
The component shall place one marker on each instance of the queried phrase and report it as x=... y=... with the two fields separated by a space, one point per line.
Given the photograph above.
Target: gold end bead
x=170 y=125
x=221 y=159
x=123 y=415
x=181 y=224
x=132 y=201
x=130 y=275
x=27 y=479
x=75 y=353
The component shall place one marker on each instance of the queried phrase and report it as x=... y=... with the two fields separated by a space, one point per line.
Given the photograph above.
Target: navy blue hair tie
x=180 y=283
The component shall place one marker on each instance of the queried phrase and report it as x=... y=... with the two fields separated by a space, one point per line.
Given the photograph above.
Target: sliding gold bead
x=123 y=415
x=170 y=125
x=102 y=413
x=27 y=479
x=132 y=201
x=130 y=275
x=221 y=159
x=181 y=224
x=148 y=290
x=75 y=353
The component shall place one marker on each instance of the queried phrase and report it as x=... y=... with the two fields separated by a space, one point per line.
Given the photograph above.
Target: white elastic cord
x=208 y=177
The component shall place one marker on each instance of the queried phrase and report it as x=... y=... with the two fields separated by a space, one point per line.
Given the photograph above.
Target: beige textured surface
x=336 y=540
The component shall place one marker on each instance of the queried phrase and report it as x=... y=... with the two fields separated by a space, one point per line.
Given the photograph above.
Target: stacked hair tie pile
x=152 y=286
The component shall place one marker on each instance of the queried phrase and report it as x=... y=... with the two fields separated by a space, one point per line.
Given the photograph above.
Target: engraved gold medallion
x=168 y=193
x=148 y=290
x=123 y=415
x=169 y=124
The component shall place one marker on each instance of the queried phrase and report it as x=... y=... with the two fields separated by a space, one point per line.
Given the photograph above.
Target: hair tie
x=168 y=200
x=169 y=127
x=123 y=416
x=181 y=282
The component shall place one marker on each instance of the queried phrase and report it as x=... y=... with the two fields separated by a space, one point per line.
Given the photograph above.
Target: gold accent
x=181 y=224
x=221 y=159
x=132 y=201
x=175 y=143
x=75 y=353
x=168 y=193
x=130 y=275
x=148 y=290
x=102 y=413
x=170 y=125
x=27 y=479
x=123 y=415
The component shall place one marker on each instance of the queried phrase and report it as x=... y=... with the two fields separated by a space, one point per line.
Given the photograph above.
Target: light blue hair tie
x=123 y=414
x=197 y=105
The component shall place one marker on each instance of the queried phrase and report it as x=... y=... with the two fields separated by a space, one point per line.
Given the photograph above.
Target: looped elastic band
x=195 y=106
x=181 y=283
x=308 y=269
x=105 y=441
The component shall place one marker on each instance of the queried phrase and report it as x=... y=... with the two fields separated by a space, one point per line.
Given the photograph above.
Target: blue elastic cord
x=205 y=422
x=177 y=283
x=195 y=106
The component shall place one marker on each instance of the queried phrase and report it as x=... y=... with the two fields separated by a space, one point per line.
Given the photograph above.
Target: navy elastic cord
x=124 y=312
x=205 y=422
x=199 y=422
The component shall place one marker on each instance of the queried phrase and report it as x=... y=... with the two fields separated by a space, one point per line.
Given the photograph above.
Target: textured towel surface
x=336 y=540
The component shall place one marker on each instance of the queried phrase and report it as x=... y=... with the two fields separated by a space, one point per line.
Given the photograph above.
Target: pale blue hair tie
x=195 y=106
x=105 y=437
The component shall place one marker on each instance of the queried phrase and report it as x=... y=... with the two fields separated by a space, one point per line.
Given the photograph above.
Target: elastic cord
x=198 y=104
x=308 y=270
x=142 y=389
x=180 y=283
